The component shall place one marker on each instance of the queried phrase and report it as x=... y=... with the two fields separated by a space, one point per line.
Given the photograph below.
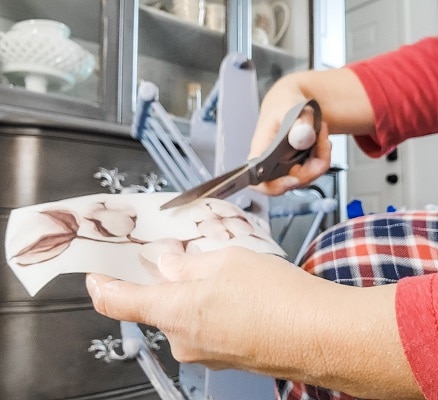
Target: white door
x=373 y=28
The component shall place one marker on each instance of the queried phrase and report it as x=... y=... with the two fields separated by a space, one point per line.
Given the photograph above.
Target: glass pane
x=51 y=46
x=281 y=32
x=181 y=46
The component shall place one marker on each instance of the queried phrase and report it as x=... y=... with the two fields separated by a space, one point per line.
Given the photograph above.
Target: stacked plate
x=39 y=55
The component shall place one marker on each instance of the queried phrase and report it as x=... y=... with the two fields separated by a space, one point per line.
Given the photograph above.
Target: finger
x=268 y=125
x=155 y=305
x=180 y=267
x=307 y=116
x=321 y=152
x=319 y=161
x=114 y=298
x=278 y=186
x=302 y=136
x=324 y=145
x=301 y=175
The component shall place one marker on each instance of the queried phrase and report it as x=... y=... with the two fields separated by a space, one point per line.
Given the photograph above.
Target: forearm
x=345 y=338
x=343 y=100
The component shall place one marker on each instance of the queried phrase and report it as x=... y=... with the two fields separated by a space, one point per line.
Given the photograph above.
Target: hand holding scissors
x=275 y=162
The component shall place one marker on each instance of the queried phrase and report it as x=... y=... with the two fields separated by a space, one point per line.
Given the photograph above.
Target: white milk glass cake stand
x=39 y=55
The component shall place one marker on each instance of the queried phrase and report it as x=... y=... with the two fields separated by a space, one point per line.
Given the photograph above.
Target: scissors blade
x=219 y=187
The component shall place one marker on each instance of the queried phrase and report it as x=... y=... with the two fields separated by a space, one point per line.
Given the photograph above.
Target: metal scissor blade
x=219 y=187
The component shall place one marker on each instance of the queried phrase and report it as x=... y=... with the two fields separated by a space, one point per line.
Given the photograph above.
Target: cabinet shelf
x=166 y=37
x=178 y=42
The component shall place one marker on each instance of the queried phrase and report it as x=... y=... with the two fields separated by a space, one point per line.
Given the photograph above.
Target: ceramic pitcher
x=264 y=21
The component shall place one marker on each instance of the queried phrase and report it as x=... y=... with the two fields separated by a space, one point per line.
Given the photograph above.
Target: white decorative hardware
x=113 y=180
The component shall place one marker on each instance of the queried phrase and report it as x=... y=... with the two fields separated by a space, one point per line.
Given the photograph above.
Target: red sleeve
x=403 y=89
x=417 y=310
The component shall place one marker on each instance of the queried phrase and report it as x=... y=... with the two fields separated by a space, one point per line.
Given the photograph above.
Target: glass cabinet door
x=84 y=58
x=281 y=38
x=180 y=50
x=181 y=43
x=62 y=56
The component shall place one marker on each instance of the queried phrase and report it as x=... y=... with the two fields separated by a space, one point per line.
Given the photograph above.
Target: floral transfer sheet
x=121 y=235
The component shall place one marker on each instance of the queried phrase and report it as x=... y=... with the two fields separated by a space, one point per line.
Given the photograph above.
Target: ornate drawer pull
x=106 y=349
x=112 y=179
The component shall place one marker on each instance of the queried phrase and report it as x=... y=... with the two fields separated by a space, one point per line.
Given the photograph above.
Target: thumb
x=126 y=301
x=302 y=135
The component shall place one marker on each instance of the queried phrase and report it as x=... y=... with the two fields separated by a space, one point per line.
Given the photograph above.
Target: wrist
x=352 y=344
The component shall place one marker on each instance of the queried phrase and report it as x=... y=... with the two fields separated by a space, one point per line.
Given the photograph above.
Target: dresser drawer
x=45 y=339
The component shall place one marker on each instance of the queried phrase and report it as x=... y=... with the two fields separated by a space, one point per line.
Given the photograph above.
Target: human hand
x=275 y=105
x=217 y=307
x=235 y=308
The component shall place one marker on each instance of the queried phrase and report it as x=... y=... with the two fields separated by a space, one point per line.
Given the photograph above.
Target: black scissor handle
x=280 y=156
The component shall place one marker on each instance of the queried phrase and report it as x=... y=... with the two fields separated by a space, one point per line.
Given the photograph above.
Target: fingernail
x=302 y=136
x=93 y=288
x=169 y=260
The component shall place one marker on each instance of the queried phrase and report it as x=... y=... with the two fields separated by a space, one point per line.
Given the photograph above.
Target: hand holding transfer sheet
x=121 y=235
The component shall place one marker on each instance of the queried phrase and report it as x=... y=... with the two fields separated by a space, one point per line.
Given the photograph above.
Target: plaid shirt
x=367 y=251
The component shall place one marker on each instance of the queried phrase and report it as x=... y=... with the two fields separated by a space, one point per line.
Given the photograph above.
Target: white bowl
x=41 y=48
x=43 y=26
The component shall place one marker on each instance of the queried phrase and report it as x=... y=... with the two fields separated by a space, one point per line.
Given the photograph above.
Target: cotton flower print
x=221 y=221
x=216 y=221
x=109 y=221
x=51 y=234
x=121 y=235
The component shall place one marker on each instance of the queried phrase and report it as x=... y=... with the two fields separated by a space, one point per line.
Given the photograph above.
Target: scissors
x=274 y=162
